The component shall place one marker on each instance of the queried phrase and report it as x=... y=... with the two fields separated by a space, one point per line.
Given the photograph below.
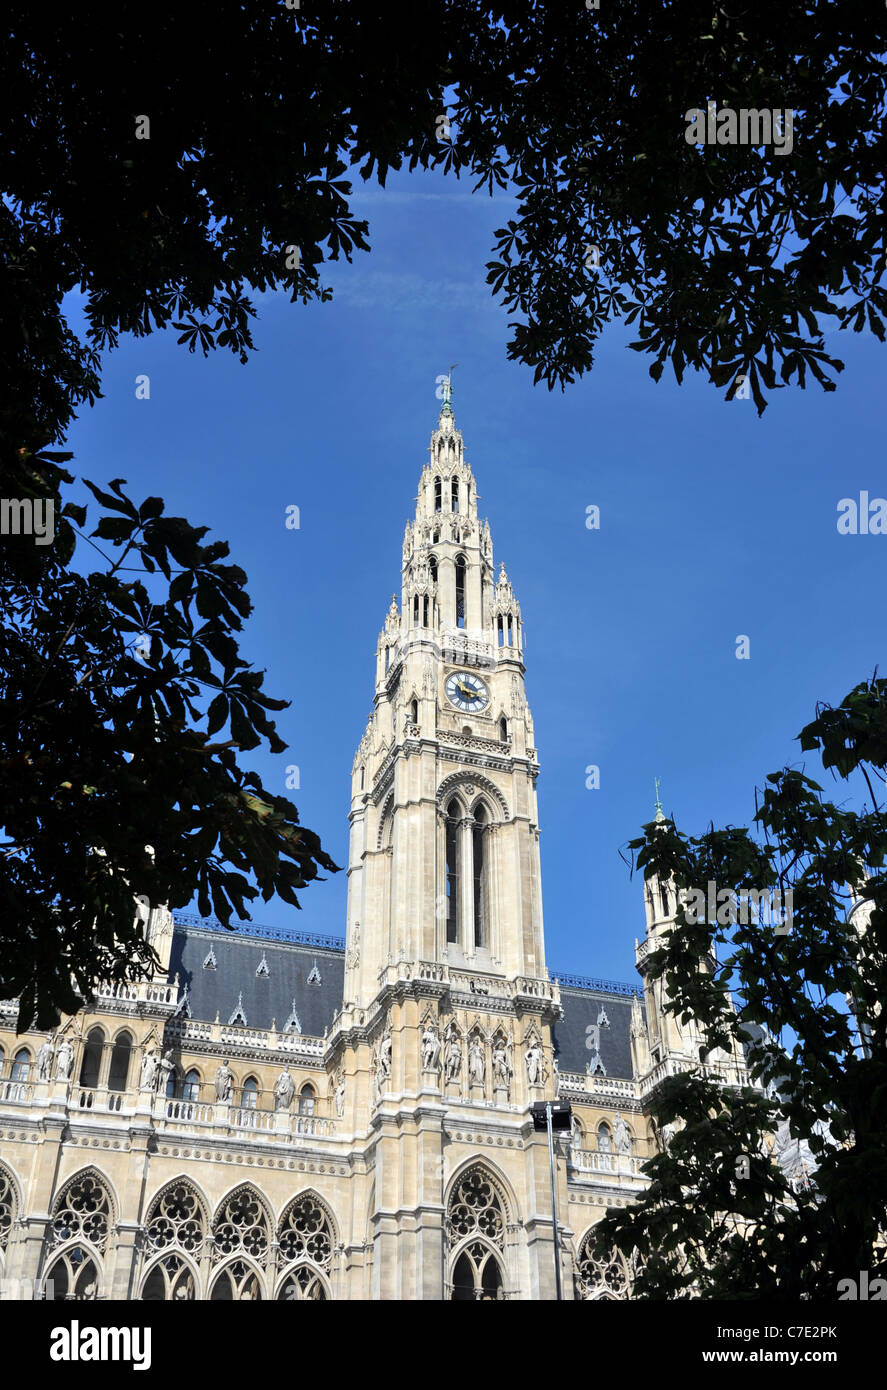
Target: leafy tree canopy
x=122 y=699
x=729 y=258
x=720 y=1219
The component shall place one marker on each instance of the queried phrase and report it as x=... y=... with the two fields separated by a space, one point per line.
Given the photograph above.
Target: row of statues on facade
x=477 y=1058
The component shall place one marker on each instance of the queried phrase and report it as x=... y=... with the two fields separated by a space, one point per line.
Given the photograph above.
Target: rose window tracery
x=596 y=1278
x=175 y=1219
x=83 y=1212
x=7 y=1208
x=476 y=1209
x=242 y=1226
x=305 y=1234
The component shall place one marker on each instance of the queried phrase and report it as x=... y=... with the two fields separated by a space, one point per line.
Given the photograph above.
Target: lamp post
x=553 y=1115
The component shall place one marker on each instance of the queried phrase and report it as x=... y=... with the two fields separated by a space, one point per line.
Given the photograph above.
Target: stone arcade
x=286 y=1116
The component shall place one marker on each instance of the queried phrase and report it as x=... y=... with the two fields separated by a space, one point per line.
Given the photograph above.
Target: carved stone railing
x=245 y=1117
x=483 y=745
x=593 y=1161
x=611 y=1086
x=16 y=1092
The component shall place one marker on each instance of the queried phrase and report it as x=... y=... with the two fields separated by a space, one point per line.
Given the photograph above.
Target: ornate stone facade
x=282 y=1116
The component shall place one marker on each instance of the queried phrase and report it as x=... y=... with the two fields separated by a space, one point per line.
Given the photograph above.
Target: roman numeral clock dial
x=467 y=692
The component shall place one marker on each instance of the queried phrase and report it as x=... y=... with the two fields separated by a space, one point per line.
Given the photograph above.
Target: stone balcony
x=208 y=1117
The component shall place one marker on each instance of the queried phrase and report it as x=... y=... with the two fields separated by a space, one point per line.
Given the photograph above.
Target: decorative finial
x=658 y=802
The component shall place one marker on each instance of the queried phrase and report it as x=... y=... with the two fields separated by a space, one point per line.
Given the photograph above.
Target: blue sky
x=713 y=524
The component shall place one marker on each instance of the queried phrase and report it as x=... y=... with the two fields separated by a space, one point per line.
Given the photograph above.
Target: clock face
x=467 y=691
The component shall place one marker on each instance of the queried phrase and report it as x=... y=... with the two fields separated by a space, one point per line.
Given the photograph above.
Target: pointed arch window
x=121 y=1054
x=510 y=632
x=191 y=1085
x=503 y=729
x=432 y=564
x=306 y=1099
x=454 y=495
x=249 y=1096
x=92 y=1059
x=460 y=591
x=663 y=898
x=437 y=496
x=414 y=711
x=500 y=635
x=415 y=610
x=21 y=1065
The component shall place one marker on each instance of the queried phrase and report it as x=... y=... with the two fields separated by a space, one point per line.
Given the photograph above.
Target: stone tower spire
x=444 y=861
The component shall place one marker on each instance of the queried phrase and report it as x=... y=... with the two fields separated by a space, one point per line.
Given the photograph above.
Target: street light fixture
x=553 y=1115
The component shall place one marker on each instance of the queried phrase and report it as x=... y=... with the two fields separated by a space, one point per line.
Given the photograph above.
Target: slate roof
x=264 y=996
x=290 y=959
x=574 y=1034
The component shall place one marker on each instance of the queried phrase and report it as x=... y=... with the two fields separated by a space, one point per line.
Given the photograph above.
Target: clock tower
x=444 y=852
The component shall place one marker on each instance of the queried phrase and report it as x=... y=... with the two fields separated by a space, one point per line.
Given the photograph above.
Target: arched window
x=121 y=1053
x=363 y=777
x=169 y=1281
x=480 y=877
x=424 y=610
x=415 y=610
x=387 y=657
x=452 y=883
x=476 y=1237
x=191 y=1085
x=663 y=898
x=176 y=1223
x=437 y=494
x=603 y=1138
x=8 y=1207
x=510 y=633
x=503 y=729
x=432 y=564
x=238 y=1282
x=241 y=1228
x=460 y=591
x=92 y=1059
x=601 y=1279
x=414 y=711
x=306 y=1099
x=500 y=636
x=171 y=1082
x=82 y=1214
x=305 y=1239
x=21 y=1065
x=454 y=495
x=249 y=1095
x=73 y=1276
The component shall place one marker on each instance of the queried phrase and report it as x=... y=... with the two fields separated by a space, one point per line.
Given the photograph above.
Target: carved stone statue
x=383 y=1065
x=501 y=1064
x=535 y=1064
x=284 y=1090
x=224 y=1082
x=64 y=1060
x=430 y=1048
x=453 y=1058
x=150 y=1063
x=167 y=1067
x=621 y=1136
x=340 y=1097
x=477 y=1063
x=44 y=1059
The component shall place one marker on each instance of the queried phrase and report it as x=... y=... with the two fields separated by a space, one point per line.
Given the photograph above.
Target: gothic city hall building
x=283 y=1115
